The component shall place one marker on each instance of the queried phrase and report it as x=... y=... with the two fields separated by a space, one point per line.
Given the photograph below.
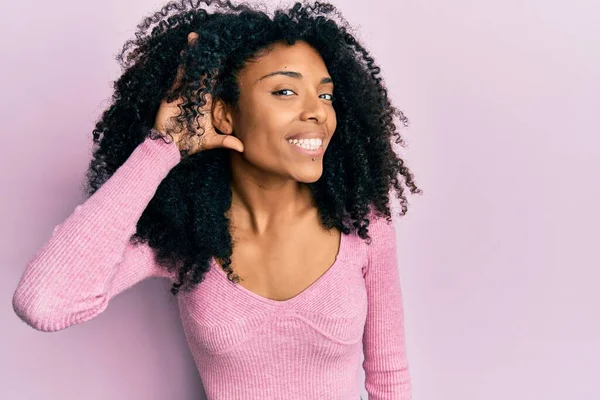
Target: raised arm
x=386 y=365
x=88 y=259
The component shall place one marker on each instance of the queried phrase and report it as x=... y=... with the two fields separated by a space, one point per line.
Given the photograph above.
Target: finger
x=192 y=36
x=204 y=117
x=178 y=77
x=231 y=142
x=207 y=107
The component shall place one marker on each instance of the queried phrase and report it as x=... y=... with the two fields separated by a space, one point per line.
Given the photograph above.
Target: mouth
x=312 y=147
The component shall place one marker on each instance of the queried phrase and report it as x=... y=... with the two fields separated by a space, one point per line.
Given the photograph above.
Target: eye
x=278 y=93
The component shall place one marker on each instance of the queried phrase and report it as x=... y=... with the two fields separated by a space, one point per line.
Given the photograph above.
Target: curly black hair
x=186 y=222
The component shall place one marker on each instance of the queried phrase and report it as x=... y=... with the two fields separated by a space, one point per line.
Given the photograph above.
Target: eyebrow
x=295 y=75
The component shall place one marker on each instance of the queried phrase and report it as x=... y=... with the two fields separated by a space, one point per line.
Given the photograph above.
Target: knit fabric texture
x=245 y=346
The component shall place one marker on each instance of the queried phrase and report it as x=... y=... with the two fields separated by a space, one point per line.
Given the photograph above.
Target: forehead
x=299 y=57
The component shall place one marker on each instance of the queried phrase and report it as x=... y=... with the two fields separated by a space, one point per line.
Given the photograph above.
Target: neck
x=261 y=202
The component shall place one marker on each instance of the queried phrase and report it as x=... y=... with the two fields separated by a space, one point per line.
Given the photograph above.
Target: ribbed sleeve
x=386 y=366
x=88 y=258
x=246 y=346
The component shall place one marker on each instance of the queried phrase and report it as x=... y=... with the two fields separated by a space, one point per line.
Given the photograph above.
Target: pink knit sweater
x=245 y=346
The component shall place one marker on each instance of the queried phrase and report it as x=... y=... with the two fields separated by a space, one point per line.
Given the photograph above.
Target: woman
x=249 y=160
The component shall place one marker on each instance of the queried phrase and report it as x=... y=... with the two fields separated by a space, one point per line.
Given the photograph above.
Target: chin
x=310 y=180
x=308 y=176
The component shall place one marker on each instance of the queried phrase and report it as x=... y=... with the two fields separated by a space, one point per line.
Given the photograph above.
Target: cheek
x=263 y=143
x=264 y=131
x=332 y=124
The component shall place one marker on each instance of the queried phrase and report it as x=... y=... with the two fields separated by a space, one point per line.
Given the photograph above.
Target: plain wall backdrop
x=498 y=259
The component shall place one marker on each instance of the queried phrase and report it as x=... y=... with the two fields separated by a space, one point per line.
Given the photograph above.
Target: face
x=285 y=116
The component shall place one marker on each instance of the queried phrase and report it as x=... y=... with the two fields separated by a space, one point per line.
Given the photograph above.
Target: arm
x=386 y=366
x=88 y=259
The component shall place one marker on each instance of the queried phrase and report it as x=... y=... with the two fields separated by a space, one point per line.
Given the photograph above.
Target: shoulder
x=380 y=229
x=383 y=239
x=381 y=252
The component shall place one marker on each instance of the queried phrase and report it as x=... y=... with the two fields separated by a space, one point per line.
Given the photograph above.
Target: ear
x=222 y=118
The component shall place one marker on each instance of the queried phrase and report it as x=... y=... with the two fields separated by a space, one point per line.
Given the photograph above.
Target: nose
x=314 y=107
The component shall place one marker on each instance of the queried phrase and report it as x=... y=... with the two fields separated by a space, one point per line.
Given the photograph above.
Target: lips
x=312 y=151
x=307 y=135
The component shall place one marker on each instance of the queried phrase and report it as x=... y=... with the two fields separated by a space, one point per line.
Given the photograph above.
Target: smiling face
x=285 y=116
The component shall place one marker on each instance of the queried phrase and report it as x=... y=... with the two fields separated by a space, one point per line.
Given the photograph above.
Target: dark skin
x=280 y=247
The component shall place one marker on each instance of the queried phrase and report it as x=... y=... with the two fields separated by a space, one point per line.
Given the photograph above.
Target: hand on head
x=198 y=141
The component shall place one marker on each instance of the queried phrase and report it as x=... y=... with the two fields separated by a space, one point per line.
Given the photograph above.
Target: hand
x=194 y=141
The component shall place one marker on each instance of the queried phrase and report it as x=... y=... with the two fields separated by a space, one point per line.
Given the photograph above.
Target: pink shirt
x=245 y=346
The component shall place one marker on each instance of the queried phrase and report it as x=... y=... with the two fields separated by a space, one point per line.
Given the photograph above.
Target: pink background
x=499 y=258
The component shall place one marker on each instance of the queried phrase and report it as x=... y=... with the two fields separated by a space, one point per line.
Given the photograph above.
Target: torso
x=284 y=263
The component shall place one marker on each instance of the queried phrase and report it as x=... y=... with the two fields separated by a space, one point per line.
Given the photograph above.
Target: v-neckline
x=280 y=303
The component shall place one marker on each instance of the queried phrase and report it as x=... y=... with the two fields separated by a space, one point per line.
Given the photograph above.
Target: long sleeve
x=387 y=375
x=88 y=259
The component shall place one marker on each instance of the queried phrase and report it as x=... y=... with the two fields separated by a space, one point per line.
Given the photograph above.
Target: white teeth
x=309 y=144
